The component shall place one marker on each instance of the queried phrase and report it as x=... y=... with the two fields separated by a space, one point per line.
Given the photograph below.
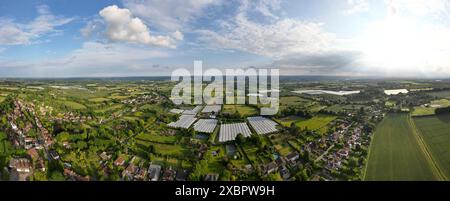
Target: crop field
x=395 y=153
x=434 y=130
x=317 y=123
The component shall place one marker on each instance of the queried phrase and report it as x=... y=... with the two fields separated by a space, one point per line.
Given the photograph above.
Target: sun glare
x=402 y=44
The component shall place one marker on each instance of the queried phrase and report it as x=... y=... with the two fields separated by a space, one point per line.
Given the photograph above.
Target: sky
x=117 y=38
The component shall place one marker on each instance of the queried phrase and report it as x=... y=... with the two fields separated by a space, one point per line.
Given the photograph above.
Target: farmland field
x=287 y=121
x=96 y=100
x=440 y=94
x=434 y=130
x=242 y=109
x=423 y=111
x=395 y=153
x=73 y=105
x=317 y=123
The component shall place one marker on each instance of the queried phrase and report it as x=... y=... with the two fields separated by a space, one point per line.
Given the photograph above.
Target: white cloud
x=91 y=28
x=437 y=8
x=12 y=33
x=282 y=37
x=357 y=6
x=168 y=15
x=122 y=26
x=178 y=35
x=110 y=60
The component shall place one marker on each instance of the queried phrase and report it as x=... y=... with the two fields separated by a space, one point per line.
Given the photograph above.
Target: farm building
x=262 y=125
x=185 y=121
x=205 y=125
x=176 y=111
x=228 y=132
x=212 y=108
x=194 y=111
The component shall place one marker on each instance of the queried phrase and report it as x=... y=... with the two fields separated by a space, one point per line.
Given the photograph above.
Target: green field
x=5 y=145
x=156 y=138
x=242 y=109
x=423 y=111
x=395 y=153
x=73 y=105
x=97 y=100
x=317 y=123
x=287 y=121
x=435 y=132
x=440 y=94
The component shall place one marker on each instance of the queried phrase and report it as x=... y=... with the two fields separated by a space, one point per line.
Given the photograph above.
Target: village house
x=182 y=175
x=153 y=172
x=292 y=157
x=130 y=171
x=20 y=169
x=270 y=168
x=211 y=177
x=33 y=153
x=119 y=161
x=168 y=174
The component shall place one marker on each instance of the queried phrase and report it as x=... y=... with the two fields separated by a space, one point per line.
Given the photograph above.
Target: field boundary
x=426 y=150
x=372 y=137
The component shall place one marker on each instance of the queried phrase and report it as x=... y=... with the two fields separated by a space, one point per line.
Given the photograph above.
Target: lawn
x=395 y=153
x=435 y=132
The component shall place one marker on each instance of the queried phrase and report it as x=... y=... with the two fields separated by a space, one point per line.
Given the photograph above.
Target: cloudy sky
x=85 y=38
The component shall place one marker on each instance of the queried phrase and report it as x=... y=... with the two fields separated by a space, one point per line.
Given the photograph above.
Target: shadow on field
x=444 y=118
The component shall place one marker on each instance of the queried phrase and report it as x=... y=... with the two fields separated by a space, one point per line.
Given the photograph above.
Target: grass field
x=156 y=138
x=435 y=132
x=317 y=123
x=242 y=109
x=73 y=105
x=5 y=145
x=97 y=100
x=395 y=153
x=287 y=121
x=440 y=94
x=423 y=111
